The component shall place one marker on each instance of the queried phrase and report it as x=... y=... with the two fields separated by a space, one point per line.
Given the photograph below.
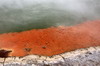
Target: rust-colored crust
x=52 y=41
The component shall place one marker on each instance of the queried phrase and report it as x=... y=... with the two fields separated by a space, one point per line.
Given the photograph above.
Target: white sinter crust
x=81 y=57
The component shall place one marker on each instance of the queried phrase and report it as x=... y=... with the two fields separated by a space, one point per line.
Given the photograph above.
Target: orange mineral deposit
x=50 y=41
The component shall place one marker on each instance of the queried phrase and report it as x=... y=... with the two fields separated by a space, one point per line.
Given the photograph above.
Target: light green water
x=21 y=15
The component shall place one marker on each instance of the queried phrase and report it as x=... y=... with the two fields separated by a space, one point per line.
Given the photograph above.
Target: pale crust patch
x=88 y=56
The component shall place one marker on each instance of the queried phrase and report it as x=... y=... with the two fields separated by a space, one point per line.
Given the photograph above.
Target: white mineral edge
x=54 y=58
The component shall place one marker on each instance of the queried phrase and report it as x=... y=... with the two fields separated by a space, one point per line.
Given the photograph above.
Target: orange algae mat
x=52 y=41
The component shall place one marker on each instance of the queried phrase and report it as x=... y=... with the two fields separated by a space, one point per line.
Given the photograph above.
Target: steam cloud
x=19 y=15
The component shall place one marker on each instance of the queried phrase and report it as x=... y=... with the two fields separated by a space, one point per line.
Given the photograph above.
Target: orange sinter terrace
x=50 y=41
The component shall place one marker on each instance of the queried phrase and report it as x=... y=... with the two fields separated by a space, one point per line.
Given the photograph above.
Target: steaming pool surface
x=49 y=32
x=21 y=15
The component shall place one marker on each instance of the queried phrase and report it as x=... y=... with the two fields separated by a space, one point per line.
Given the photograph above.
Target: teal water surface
x=21 y=15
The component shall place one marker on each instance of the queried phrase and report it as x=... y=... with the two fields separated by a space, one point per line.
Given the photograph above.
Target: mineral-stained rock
x=51 y=41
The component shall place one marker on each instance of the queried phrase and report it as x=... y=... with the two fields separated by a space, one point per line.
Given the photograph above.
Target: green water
x=21 y=15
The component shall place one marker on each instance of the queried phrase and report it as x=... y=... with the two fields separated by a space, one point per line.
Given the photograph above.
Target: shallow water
x=20 y=15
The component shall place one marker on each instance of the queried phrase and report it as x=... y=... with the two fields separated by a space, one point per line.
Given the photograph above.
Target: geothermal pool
x=21 y=15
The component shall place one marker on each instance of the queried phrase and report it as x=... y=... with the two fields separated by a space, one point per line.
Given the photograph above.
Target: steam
x=19 y=15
